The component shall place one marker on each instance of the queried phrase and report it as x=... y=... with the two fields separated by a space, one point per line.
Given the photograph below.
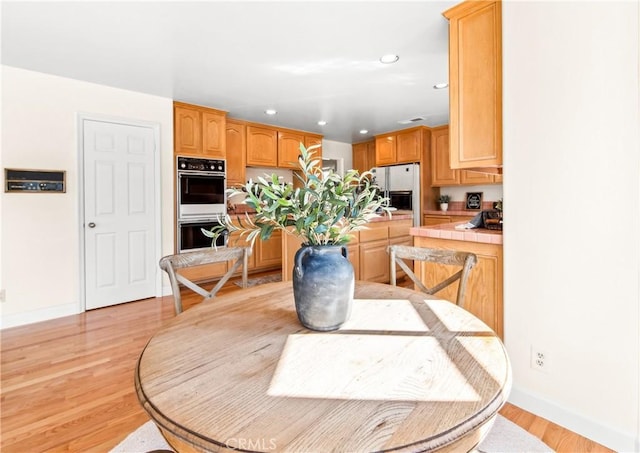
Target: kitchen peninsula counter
x=484 y=287
x=449 y=231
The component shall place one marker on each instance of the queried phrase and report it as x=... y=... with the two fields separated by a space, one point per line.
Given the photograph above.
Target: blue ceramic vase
x=323 y=286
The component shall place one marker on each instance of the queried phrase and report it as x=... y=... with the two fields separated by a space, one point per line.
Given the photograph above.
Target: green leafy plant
x=324 y=210
x=444 y=198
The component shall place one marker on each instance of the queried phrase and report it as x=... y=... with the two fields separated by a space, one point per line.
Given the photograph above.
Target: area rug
x=260 y=280
x=504 y=437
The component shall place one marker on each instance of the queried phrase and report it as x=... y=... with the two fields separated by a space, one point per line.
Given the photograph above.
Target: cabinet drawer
x=435 y=219
x=399 y=229
x=374 y=234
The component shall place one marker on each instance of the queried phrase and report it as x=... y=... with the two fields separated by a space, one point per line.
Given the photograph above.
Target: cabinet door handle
x=92 y=225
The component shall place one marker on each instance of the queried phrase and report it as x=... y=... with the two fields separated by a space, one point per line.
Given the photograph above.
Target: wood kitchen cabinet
x=199 y=131
x=262 y=146
x=274 y=147
x=440 y=219
x=401 y=147
x=236 y=153
x=409 y=145
x=475 y=84
x=469 y=177
x=441 y=172
x=289 y=149
x=312 y=140
x=364 y=156
x=374 y=258
x=268 y=253
x=484 y=288
x=386 y=150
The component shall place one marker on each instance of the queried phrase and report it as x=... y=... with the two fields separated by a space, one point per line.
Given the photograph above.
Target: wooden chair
x=172 y=263
x=398 y=253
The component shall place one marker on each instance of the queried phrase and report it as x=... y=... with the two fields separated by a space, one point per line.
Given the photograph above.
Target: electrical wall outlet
x=3 y=295
x=539 y=359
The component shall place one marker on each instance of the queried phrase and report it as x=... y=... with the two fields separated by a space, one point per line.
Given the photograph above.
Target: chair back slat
x=399 y=253
x=172 y=263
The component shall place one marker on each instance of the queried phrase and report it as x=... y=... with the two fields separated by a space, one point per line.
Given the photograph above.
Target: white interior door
x=119 y=212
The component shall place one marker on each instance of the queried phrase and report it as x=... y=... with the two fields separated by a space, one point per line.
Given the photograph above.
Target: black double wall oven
x=201 y=200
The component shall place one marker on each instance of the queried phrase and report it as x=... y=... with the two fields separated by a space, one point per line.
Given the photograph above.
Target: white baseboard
x=44 y=314
x=604 y=435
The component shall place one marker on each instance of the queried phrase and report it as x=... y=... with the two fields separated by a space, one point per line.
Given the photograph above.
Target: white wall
x=571 y=187
x=40 y=232
x=336 y=150
x=490 y=192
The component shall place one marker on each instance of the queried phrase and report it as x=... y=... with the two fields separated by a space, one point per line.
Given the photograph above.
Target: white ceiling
x=308 y=60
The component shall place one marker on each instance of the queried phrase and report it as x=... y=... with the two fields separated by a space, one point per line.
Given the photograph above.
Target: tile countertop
x=448 y=231
x=395 y=215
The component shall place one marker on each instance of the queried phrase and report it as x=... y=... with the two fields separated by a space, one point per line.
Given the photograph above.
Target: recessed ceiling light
x=270 y=111
x=389 y=58
x=440 y=86
x=364 y=131
x=322 y=123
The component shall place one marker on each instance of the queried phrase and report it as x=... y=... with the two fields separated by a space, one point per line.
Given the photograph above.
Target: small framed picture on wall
x=473 y=201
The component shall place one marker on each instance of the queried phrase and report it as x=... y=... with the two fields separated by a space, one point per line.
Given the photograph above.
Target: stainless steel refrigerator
x=401 y=184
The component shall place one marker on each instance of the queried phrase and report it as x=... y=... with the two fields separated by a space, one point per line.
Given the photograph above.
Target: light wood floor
x=67 y=384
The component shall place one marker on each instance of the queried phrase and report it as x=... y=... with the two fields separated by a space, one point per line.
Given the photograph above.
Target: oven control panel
x=200 y=164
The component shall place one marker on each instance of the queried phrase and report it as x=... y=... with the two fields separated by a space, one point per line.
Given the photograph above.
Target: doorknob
x=92 y=225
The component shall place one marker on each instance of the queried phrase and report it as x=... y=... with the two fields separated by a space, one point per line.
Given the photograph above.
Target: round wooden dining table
x=406 y=373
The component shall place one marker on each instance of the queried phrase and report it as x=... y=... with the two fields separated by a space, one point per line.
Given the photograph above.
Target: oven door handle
x=182 y=173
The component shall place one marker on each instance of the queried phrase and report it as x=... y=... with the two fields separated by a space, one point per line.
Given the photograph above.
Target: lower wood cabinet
x=484 y=288
x=268 y=253
x=374 y=261
x=374 y=257
x=439 y=219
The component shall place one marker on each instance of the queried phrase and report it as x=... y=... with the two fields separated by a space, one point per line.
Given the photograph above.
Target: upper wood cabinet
x=273 y=147
x=364 y=156
x=386 y=150
x=400 y=147
x=441 y=172
x=262 y=146
x=312 y=140
x=236 y=138
x=469 y=177
x=213 y=133
x=409 y=146
x=475 y=84
x=289 y=149
x=199 y=131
